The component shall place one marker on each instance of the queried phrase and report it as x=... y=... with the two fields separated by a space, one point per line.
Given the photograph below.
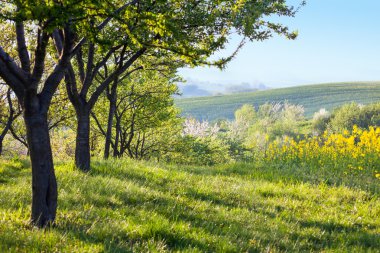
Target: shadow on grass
x=12 y=170
x=173 y=211
x=218 y=222
x=291 y=173
x=353 y=235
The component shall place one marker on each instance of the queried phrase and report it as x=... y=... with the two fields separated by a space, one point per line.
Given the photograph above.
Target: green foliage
x=3 y=106
x=320 y=121
x=275 y=120
x=193 y=30
x=171 y=33
x=345 y=117
x=207 y=150
x=236 y=148
x=244 y=118
x=146 y=121
x=245 y=114
x=129 y=206
x=63 y=143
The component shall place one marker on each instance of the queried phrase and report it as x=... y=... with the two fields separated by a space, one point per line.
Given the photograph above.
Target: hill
x=312 y=97
x=128 y=206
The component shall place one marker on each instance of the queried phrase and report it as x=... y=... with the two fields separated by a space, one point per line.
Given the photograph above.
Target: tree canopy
x=43 y=38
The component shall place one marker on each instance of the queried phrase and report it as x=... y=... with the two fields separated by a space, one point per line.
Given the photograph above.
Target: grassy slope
x=312 y=97
x=125 y=206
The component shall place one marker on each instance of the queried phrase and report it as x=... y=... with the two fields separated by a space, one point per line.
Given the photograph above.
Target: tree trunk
x=10 y=120
x=82 y=148
x=44 y=184
x=112 y=98
x=1 y=146
x=116 y=152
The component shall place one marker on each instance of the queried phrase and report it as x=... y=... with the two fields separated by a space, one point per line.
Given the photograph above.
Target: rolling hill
x=312 y=97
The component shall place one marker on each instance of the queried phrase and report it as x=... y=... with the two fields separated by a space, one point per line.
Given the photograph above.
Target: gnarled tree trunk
x=44 y=185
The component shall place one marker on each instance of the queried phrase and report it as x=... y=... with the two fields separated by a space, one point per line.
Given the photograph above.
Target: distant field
x=312 y=97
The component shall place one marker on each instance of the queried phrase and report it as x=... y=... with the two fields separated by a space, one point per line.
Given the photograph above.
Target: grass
x=128 y=206
x=312 y=97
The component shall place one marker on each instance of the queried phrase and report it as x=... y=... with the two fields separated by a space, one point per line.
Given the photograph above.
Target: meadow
x=131 y=206
x=81 y=80
x=311 y=97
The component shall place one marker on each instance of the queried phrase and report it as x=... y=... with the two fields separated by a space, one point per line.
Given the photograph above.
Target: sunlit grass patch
x=128 y=206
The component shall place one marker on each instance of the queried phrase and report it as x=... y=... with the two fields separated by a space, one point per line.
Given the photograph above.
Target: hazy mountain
x=201 y=89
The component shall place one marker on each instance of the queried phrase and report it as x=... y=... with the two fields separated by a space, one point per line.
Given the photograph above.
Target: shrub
x=346 y=116
x=320 y=121
x=199 y=151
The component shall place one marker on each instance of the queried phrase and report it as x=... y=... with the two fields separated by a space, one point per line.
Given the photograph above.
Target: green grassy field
x=312 y=97
x=127 y=206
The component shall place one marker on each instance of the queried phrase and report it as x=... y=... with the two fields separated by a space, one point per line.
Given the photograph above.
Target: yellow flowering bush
x=354 y=151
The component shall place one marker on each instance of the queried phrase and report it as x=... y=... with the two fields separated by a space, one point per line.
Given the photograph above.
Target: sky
x=339 y=41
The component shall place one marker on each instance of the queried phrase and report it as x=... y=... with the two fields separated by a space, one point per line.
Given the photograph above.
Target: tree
x=199 y=143
x=188 y=31
x=278 y=119
x=25 y=81
x=23 y=68
x=145 y=118
x=245 y=116
x=348 y=115
x=320 y=121
x=192 y=30
x=8 y=113
x=85 y=87
x=60 y=116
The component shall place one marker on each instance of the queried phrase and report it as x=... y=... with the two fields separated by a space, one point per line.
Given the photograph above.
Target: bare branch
x=111 y=77
x=18 y=138
x=11 y=116
x=39 y=62
x=21 y=47
x=58 y=42
x=58 y=73
x=98 y=123
x=79 y=58
x=88 y=77
x=12 y=74
x=71 y=85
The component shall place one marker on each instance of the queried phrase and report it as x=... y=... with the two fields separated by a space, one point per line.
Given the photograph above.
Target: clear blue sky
x=339 y=40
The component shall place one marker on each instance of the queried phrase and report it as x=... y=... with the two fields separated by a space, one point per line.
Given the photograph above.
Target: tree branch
x=12 y=74
x=58 y=73
x=11 y=116
x=39 y=62
x=89 y=74
x=102 y=25
x=98 y=123
x=111 y=77
x=21 y=47
x=79 y=58
x=71 y=86
x=18 y=138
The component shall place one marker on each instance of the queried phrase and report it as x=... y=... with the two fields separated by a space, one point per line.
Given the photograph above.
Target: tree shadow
x=12 y=170
x=212 y=223
x=218 y=221
x=291 y=173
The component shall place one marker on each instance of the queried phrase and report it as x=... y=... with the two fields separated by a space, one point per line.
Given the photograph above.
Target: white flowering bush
x=195 y=128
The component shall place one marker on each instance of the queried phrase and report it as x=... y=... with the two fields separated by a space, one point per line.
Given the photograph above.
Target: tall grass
x=128 y=206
